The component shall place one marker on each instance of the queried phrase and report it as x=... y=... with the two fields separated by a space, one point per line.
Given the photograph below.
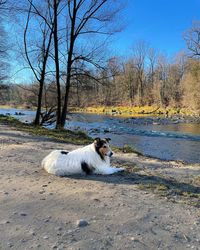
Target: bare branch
x=192 y=39
x=25 y=43
x=88 y=15
x=37 y=12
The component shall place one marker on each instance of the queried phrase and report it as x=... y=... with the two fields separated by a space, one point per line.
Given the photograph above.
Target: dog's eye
x=105 y=146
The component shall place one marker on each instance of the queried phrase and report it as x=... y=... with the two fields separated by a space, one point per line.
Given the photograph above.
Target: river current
x=167 y=141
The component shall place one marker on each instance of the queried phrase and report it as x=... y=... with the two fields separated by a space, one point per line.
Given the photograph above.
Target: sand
x=42 y=211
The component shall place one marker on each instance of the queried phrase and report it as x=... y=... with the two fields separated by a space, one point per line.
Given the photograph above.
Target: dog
x=91 y=159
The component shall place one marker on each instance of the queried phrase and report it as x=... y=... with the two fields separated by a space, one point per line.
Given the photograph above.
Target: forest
x=63 y=43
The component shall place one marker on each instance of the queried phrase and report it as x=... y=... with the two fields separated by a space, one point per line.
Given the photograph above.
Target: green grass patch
x=129 y=149
x=172 y=190
x=126 y=149
x=197 y=180
x=61 y=135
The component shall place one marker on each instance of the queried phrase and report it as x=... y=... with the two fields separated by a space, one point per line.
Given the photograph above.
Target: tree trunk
x=65 y=106
x=39 y=105
x=41 y=82
x=69 y=65
x=58 y=119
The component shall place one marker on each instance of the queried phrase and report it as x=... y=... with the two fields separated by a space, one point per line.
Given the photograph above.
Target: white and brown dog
x=91 y=159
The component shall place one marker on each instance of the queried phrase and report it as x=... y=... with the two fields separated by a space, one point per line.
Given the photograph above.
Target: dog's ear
x=97 y=140
x=107 y=139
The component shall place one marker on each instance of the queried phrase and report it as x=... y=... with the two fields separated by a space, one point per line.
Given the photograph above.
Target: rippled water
x=169 y=142
x=179 y=141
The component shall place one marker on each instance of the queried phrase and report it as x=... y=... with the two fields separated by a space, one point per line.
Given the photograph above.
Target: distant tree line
x=156 y=81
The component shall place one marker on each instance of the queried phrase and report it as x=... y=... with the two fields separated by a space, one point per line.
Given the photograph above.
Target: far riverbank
x=144 y=111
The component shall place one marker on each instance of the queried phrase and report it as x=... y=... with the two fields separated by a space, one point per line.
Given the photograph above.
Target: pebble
x=82 y=223
x=134 y=239
x=23 y=214
x=97 y=200
x=45 y=237
x=59 y=243
x=45 y=185
x=42 y=192
x=10 y=244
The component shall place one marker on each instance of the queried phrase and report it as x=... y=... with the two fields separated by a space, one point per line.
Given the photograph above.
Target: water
x=169 y=142
x=179 y=141
x=28 y=115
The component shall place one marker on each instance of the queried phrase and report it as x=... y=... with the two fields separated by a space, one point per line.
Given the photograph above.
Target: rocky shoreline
x=163 y=120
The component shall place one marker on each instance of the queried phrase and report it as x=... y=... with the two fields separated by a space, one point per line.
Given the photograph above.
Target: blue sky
x=159 y=22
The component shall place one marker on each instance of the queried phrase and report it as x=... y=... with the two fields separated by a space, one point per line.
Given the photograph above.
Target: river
x=153 y=137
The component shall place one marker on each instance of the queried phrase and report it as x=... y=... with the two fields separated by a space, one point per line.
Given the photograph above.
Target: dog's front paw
x=119 y=170
x=110 y=171
x=116 y=170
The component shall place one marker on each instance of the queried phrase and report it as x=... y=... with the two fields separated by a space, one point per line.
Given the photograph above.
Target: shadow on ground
x=168 y=188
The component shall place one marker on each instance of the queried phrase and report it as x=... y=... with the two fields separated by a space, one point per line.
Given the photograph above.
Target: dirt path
x=122 y=211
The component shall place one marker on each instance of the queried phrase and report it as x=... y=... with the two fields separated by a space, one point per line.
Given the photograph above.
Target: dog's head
x=102 y=147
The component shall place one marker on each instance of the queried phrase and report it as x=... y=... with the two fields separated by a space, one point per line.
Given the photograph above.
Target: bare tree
x=56 y=59
x=152 y=56
x=85 y=19
x=40 y=52
x=128 y=78
x=192 y=39
x=51 y=20
x=140 y=50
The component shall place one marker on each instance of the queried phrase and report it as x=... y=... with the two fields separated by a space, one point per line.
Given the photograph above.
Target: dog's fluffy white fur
x=94 y=158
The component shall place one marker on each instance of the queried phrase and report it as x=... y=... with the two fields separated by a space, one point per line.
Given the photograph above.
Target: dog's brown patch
x=102 y=147
x=104 y=150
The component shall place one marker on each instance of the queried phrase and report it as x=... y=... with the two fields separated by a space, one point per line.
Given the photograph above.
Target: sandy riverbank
x=152 y=205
